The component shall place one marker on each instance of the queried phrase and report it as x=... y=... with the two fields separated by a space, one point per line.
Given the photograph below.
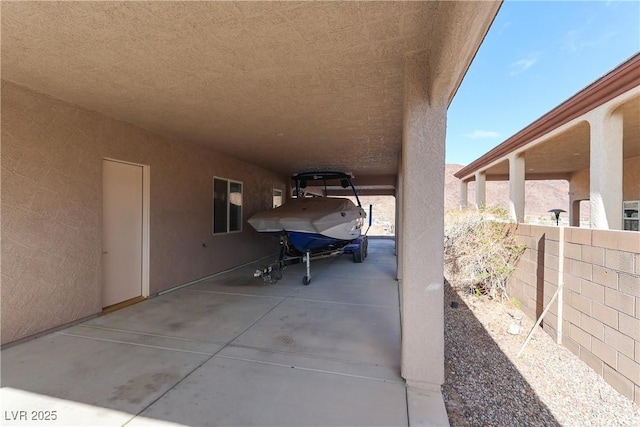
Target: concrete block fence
x=600 y=301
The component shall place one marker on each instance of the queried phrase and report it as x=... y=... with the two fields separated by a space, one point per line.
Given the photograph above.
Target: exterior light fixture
x=556 y=212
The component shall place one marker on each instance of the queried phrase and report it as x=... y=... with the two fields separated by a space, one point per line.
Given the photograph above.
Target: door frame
x=146 y=230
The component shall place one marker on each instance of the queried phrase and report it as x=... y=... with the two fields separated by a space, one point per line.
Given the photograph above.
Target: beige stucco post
x=423 y=142
x=578 y=191
x=605 y=176
x=574 y=213
x=398 y=231
x=463 y=193
x=481 y=189
x=516 y=187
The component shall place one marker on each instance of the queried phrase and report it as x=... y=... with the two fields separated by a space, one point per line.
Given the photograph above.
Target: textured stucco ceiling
x=286 y=85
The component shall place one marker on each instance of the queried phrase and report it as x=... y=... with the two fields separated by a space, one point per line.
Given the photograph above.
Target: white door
x=121 y=232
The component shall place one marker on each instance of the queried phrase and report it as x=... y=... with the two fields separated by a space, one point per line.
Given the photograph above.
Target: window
x=277 y=197
x=227 y=206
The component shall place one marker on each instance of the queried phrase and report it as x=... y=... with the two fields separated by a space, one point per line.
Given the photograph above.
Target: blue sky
x=536 y=55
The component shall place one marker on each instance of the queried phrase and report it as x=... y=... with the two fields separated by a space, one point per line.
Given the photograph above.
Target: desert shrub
x=480 y=250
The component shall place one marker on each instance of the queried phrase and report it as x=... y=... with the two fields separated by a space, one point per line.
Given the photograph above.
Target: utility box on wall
x=630 y=215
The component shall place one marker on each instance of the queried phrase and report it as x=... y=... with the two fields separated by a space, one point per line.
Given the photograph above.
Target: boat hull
x=313 y=223
x=313 y=242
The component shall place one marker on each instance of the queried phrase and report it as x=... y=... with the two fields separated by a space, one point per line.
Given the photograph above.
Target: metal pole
x=538 y=321
x=560 y=283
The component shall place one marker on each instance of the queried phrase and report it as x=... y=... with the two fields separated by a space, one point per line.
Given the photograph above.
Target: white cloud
x=482 y=134
x=574 y=40
x=525 y=63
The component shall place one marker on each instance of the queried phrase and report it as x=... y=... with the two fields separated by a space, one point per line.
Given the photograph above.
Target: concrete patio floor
x=231 y=350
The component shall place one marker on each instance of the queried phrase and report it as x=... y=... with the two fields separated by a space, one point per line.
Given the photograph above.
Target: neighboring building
x=589 y=278
x=591 y=140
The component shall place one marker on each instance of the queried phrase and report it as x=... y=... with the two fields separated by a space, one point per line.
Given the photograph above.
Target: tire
x=306 y=280
x=358 y=256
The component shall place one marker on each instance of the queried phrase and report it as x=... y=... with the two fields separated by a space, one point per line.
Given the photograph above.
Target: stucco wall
x=631 y=189
x=601 y=309
x=631 y=181
x=52 y=207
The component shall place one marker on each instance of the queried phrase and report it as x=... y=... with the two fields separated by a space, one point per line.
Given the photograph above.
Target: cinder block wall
x=601 y=308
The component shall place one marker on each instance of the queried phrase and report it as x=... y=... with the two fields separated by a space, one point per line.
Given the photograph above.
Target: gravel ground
x=486 y=385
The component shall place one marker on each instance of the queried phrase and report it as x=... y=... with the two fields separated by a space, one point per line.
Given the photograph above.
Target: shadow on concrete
x=228 y=350
x=482 y=387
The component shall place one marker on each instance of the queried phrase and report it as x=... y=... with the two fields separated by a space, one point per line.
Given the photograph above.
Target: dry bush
x=480 y=250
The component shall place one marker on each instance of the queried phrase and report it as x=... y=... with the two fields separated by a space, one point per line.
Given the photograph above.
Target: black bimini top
x=320 y=176
x=344 y=179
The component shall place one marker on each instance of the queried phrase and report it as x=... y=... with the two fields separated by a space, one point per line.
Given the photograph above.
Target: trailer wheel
x=306 y=280
x=358 y=256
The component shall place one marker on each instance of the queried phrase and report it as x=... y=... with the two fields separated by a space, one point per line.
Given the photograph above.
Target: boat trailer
x=273 y=272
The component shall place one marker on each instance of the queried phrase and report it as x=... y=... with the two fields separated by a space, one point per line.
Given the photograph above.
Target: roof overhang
x=557 y=144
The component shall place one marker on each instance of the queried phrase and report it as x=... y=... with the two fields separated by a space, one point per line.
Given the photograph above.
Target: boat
x=312 y=221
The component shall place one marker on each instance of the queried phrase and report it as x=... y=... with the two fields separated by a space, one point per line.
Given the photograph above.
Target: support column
x=574 y=213
x=463 y=193
x=574 y=206
x=423 y=143
x=398 y=231
x=395 y=224
x=516 y=187
x=605 y=174
x=481 y=190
